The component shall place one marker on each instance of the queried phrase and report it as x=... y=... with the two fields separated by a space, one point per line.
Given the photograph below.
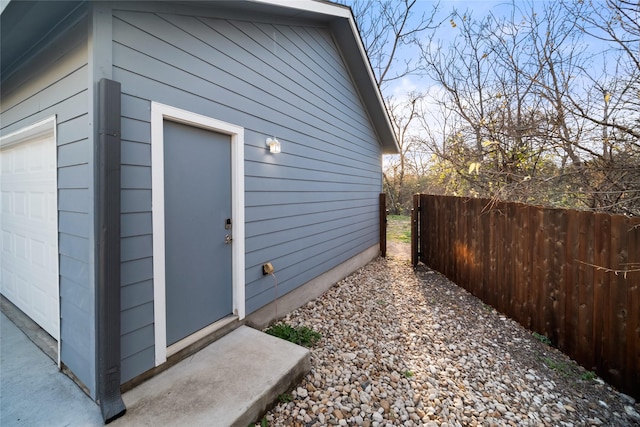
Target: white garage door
x=29 y=275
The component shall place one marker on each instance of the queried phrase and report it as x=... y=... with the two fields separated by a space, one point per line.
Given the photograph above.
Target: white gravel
x=405 y=348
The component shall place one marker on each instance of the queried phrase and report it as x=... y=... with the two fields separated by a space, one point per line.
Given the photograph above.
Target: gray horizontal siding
x=292 y=252
x=136 y=294
x=135 y=224
x=73 y=223
x=282 y=229
x=136 y=247
x=56 y=83
x=277 y=197
x=76 y=152
x=272 y=215
x=54 y=97
x=290 y=275
x=137 y=341
x=307 y=209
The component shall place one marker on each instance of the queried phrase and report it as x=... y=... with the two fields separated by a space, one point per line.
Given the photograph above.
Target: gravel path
x=413 y=349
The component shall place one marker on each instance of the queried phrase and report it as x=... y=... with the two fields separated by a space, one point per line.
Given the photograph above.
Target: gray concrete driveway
x=32 y=390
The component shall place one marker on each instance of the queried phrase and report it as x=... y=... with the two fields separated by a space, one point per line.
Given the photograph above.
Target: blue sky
x=478 y=10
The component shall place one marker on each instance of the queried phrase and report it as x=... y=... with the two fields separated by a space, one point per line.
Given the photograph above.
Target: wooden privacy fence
x=570 y=275
x=382 y=211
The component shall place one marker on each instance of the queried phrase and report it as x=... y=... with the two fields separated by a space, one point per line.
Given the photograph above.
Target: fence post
x=415 y=230
x=383 y=224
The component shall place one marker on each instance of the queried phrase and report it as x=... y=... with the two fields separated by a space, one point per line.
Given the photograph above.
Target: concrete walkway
x=32 y=390
x=229 y=383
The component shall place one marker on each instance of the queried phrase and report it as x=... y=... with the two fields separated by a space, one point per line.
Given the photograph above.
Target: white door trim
x=42 y=129
x=160 y=113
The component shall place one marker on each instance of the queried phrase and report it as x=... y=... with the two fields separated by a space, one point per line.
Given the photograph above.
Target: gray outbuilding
x=156 y=154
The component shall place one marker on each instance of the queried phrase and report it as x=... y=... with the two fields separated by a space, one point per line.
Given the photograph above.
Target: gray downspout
x=108 y=252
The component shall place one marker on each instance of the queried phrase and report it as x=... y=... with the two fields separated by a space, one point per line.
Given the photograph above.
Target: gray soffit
x=26 y=25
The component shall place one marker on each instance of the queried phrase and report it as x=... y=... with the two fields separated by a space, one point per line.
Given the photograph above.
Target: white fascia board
x=324 y=8
x=372 y=77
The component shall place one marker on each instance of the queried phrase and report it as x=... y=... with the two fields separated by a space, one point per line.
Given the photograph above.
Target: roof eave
x=358 y=62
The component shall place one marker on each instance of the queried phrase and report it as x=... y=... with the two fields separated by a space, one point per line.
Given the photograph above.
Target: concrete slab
x=229 y=383
x=32 y=390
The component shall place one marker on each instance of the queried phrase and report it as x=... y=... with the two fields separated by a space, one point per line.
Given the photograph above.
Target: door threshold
x=199 y=335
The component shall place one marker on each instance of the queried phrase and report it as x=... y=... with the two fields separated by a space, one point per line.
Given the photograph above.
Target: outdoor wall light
x=274 y=145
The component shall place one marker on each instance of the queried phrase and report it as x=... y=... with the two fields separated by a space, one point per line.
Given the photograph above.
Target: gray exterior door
x=198 y=274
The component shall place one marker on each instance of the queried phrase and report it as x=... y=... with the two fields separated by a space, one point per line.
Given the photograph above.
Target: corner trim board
x=108 y=251
x=160 y=113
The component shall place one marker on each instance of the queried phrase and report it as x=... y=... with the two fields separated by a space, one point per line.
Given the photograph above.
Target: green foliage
x=399 y=228
x=562 y=367
x=543 y=339
x=285 y=398
x=262 y=423
x=407 y=374
x=301 y=335
x=589 y=376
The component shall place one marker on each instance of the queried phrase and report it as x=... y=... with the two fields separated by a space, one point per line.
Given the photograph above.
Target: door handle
x=227 y=239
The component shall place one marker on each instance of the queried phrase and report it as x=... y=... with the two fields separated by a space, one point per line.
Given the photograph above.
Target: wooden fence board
x=550 y=269
x=537 y=275
x=570 y=282
x=415 y=237
x=382 y=204
x=560 y=290
x=601 y=288
x=617 y=340
x=584 y=280
x=632 y=359
x=548 y=293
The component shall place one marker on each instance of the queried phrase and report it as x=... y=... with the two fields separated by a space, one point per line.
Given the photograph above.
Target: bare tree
x=533 y=122
x=390 y=31
x=616 y=23
x=461 y=68
x=403 y=113
x=611 y=103
x=390 y=28
x=520 y=112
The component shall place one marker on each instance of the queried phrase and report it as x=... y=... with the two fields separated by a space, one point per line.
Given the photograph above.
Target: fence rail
x=570 y=275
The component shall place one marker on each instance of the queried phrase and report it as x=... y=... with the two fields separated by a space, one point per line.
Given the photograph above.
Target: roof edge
x=316 y=6
x=372 y=78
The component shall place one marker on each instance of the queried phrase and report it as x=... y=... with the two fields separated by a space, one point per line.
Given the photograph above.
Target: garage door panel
x=7 y=244
x=23 y=291
x=7 y=203
x=20 y=248
x=37 y=206
x=29 y=228
x=39 y=254
x=9 y=285
x=19 y=204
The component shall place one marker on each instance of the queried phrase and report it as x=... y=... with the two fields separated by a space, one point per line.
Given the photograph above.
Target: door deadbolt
x=227 y=224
